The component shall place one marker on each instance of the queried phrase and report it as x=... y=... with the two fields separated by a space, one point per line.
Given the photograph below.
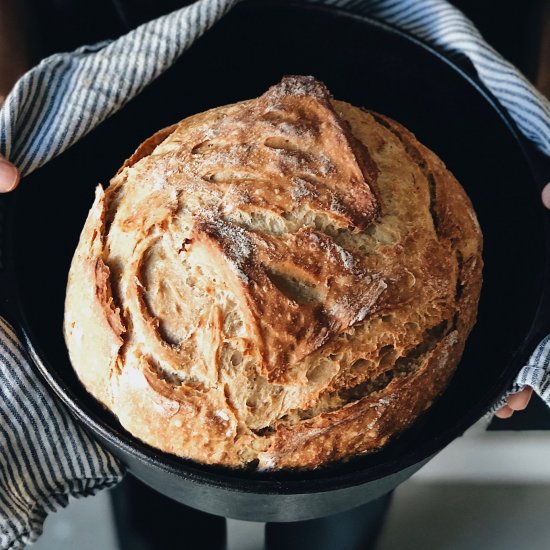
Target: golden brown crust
x=92 y=322
x=288 y=280
x=148 y=146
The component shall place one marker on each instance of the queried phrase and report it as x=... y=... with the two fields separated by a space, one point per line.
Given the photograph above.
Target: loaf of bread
x=283 y=282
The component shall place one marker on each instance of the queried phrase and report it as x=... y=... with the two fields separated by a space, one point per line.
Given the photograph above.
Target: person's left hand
x=9 y=176
x=516 y=402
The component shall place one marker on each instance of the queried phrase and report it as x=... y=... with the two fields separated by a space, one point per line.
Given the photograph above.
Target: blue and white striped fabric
x=44 y=455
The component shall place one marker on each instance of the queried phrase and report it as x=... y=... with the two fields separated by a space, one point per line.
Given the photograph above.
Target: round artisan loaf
x=282 y=282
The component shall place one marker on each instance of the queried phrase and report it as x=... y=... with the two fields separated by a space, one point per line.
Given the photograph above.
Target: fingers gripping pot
x=283 y=282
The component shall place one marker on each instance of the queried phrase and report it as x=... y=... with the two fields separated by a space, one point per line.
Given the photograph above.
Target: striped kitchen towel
x=44 y=455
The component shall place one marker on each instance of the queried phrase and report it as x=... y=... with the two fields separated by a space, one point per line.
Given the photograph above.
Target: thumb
x=9 y=176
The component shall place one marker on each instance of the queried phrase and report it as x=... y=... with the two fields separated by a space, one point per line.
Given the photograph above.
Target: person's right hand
x=9 y=176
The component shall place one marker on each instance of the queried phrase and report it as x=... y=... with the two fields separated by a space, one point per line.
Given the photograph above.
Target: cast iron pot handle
x=540 y=166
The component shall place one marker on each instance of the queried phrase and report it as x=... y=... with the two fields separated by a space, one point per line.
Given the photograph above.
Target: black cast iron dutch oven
x=367 y=63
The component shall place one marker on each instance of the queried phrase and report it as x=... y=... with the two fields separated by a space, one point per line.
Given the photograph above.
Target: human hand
x=546 y=195
x=515 y=402
x=9 y=176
